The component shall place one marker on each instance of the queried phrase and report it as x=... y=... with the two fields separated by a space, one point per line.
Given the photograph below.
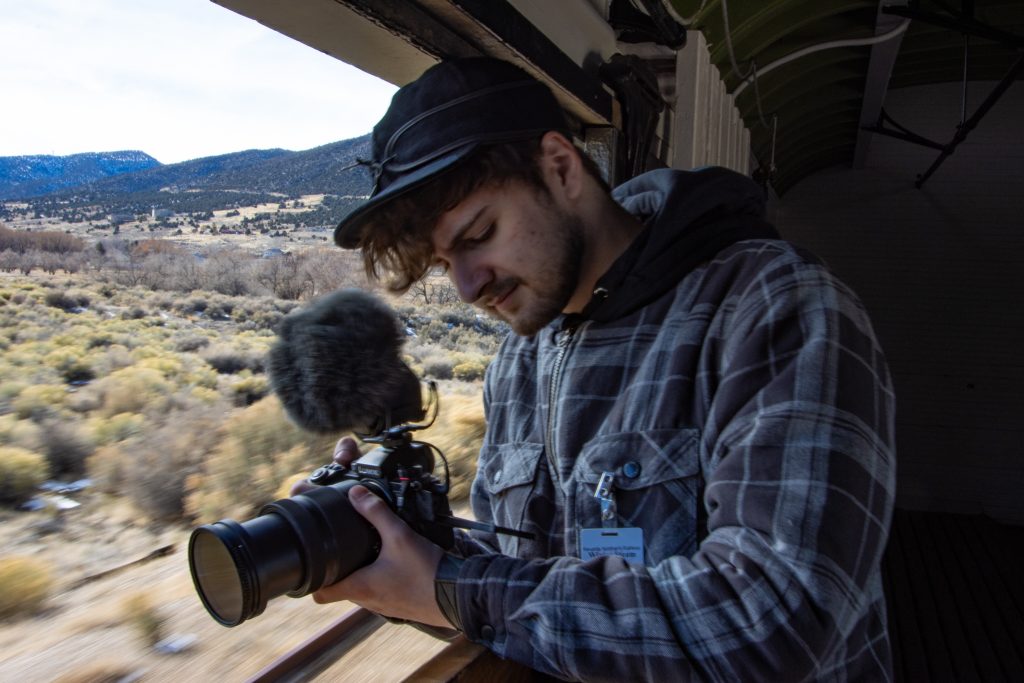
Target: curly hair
x=397 y=244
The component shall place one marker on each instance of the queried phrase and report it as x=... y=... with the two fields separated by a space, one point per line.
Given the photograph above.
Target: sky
x=177 y=79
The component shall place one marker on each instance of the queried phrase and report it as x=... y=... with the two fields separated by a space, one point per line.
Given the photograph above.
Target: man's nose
x=470 y=279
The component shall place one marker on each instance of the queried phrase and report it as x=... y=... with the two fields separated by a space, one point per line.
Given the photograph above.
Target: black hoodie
x=690 y=217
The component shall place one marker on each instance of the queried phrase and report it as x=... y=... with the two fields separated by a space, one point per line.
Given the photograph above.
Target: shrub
x=228 y=361
x=119 y=427
x=38 y=401
x=260 y=449
x=99 y=340
x=435 y=331
x=67 y=301
x=25 y=584
x=248 y=390
x=220 y=307
x=132 y=389
x=82 y=400
x=168 y=365
x=152 y=466
x=196 y=304
x=11 y=389
x=65 y=447
x=106 y=468
x=438 y=368
x=21 y=472
x=191 y=343
x=469 y=371
x=22 y=433
x=139 y=612
x=114 y=357
x=71 y=366
x=134 y=313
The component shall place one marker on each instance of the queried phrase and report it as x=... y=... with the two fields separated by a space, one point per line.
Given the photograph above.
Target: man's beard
x=553 y=281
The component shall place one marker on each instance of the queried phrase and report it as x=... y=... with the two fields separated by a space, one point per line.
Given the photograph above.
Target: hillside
x=34 y=175
x=210 y=184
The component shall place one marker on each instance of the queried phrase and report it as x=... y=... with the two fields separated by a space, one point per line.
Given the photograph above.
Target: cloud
x=178 y=80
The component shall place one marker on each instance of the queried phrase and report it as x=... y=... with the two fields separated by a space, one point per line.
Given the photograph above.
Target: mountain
x=255 y=171
x=31 y=176
x=227 y=181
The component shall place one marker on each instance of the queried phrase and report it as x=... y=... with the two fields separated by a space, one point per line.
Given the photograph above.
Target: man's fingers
x=345 y=451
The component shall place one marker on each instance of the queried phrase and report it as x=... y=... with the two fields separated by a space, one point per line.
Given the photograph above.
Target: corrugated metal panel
x=708 y=130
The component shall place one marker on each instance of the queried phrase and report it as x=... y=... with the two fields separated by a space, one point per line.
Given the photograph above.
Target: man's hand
x=345 y=451
x=400 y=582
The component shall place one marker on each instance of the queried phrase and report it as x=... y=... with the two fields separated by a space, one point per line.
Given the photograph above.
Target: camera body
x=401 y=472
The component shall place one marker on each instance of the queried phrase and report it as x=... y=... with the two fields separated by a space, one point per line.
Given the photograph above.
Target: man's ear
x=561 y=166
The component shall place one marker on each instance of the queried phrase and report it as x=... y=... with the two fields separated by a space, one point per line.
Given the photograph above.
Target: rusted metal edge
x=448 y=663
x=322 y=650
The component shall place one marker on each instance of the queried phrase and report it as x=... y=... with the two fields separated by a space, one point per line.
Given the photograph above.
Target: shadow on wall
x=939 y=270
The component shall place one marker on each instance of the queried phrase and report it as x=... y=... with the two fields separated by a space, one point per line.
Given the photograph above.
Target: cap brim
x=349 y=232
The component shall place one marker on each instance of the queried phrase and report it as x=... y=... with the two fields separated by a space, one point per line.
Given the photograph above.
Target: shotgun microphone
x=337 y=367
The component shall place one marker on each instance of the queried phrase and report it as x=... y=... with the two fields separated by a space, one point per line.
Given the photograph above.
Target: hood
x=690 y=216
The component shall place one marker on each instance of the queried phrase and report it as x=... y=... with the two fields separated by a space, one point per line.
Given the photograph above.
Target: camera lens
x=295 y=546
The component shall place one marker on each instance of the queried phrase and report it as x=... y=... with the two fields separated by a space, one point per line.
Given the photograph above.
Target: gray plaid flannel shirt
x=754 y=407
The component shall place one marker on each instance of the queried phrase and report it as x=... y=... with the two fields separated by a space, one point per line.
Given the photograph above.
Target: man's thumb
x=373 y=508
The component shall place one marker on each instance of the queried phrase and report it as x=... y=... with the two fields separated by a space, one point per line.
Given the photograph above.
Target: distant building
x=119 y=218
x=158 y=214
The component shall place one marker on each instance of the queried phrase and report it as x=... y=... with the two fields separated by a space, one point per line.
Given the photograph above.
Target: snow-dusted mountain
x=35 y=175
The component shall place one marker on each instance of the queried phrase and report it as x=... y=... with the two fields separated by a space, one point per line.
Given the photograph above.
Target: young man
x=692 y=417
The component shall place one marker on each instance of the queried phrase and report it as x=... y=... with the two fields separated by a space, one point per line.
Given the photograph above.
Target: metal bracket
x=899 y=132
x=965 y=23
x=636 y=86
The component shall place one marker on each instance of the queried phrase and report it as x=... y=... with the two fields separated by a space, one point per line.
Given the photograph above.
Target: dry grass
x=160 y=427
x=25 y=584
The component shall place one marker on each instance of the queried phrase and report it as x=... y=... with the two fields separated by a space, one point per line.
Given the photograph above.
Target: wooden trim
x=467 y=662
x=322 y=650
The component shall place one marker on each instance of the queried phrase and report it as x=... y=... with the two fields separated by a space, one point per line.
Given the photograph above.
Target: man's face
x=511 y=252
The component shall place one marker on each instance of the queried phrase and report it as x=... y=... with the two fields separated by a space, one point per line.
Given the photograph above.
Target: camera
x=295 y=546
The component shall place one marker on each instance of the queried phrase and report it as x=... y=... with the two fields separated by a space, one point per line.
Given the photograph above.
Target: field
x=140 y=370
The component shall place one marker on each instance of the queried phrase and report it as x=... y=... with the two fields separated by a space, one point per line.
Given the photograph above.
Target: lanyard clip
x=605 y=495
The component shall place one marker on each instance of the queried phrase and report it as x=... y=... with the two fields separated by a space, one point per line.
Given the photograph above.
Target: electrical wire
x=751 y=73
x=852 y=42
x=685 y=21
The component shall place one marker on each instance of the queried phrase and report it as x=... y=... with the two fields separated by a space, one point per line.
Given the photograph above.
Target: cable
x=852 y=42
x=685 y=21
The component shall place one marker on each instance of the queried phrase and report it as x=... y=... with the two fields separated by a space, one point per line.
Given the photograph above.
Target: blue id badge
x=627 y=543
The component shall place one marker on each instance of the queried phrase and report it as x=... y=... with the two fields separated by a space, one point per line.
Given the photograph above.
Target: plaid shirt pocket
x=508 y=472
x=657 y=487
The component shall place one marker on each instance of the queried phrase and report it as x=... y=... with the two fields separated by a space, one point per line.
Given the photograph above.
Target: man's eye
x=483 y=236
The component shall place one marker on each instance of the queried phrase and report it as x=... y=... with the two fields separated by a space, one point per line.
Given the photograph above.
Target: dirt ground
x=85 y=633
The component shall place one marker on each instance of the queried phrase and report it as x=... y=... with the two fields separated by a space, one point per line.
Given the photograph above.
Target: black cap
x=438 y=120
